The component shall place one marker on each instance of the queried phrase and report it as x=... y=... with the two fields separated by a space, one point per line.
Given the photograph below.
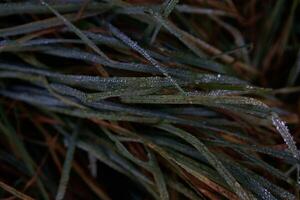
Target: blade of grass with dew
x=166 y=10
x=173 y=160
x=198 y=78
x=159 y=150
x=190 y=42
x=285 y=155
x=65 y=174
x=242 y=172
x=65 y=79
x=272 y=170
x=37 y=25
x=257 y=189
x=184 y=8
x=151 y=165
x=79 y=33
x=141 y=51
x=7 y=9
x=210 y=157
x=178 y=34
x=194 y=168
x=188 y=151
x=111 y=158
x=203 y=173
x=285 y=134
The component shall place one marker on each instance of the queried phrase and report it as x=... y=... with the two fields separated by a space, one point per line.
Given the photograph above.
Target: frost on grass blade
x=285 y=134
x=140 y=50
x=79 y=33
x=49 y=78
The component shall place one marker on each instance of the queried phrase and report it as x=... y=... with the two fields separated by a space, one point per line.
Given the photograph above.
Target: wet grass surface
x=149 y=99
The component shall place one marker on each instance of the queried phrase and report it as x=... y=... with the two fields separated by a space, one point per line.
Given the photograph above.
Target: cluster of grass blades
x=112 y=99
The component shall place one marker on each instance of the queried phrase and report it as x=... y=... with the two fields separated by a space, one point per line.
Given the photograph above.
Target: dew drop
x=266 y=194
x=249 y=87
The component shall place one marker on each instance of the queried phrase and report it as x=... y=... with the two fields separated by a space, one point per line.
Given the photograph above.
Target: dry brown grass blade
x=14 y=192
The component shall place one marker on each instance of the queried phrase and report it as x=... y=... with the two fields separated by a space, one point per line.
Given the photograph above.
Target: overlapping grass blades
x=157 y=103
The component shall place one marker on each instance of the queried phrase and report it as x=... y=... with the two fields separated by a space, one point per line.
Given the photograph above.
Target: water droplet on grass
x=285 y=134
